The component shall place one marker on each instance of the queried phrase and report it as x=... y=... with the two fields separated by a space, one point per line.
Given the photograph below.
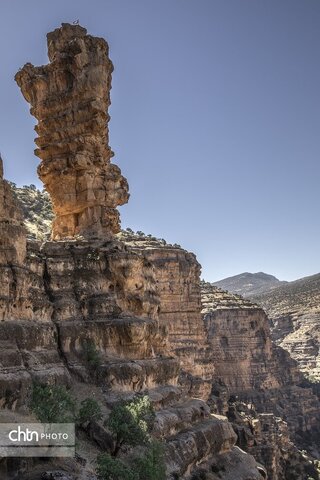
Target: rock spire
x=70 y=98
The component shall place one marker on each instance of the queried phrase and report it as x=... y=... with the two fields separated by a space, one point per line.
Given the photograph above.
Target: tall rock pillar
x=70 y=98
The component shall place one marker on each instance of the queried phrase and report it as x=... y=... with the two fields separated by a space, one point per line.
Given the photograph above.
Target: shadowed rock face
x=294 y=309
x=257 y=385
x=12 y=230
x=70 y=98
x=177 y=276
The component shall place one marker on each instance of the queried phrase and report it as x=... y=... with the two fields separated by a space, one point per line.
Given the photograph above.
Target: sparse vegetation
x=37 y=210
x=52 y=404
x=130 y=424
x=142 y=239
x=55 y=404
x=311 y=378
x=150 y=465
x=90 y=410
x=110 y=468
x=92 y=355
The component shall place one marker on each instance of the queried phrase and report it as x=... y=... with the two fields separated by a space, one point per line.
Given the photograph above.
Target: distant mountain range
x=248 y=284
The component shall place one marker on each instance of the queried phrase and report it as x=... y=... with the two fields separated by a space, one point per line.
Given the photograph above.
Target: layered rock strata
x=70 y=98
x=243 y=353
x=177 y=275
x=249 y=368
x=12 y=230
x=27 y=335
x=267 y=438
x=294 y=310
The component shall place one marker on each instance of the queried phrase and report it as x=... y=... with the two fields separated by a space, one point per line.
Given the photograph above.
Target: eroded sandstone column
x=70 y=98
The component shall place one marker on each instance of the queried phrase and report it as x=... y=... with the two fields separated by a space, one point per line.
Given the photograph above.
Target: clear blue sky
x=215 y=121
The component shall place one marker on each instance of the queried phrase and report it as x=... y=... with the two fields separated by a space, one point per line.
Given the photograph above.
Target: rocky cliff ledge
x=177 y=276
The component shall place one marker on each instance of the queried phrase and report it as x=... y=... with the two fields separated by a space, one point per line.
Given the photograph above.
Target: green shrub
x=130 y=422
x=52 y=404
x=151 y=465
x=92 y=355
x=110 y=468
x=90 y=410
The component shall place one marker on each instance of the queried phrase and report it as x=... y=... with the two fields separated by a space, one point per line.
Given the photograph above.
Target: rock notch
x=70 y=98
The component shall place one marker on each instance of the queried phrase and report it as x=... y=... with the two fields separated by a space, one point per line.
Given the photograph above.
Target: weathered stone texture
x=294 y=310
x=12 y=230
x=70 y=98
x=177 y=275
x=243 y=354
x=249 y=368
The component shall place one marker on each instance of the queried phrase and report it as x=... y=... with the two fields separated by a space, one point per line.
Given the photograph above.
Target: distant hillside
x=292 y=297
x=37 y=210
x=294 y=309
x=248 y=284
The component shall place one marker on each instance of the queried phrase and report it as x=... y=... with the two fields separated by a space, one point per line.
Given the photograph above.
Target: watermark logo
x=37 y=440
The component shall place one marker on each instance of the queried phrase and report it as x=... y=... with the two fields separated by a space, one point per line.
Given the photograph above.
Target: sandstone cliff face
x=70 y=99
x=261 y=376
x=242 y=349
x=294 y=309
x=177 y=275
x=28 y=337
x=266 y=436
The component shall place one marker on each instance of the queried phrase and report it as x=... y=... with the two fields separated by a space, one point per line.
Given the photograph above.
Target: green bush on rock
x=130 y=424
x=52 y=404
x=90 y=410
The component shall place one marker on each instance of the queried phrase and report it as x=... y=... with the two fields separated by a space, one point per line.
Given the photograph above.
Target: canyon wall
x=294 y=309
x=106 y=294
x=257 y=385
x=177 y=276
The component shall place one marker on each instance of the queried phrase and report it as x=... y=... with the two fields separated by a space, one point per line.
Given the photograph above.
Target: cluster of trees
x=135 y=454
x=139 y=233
